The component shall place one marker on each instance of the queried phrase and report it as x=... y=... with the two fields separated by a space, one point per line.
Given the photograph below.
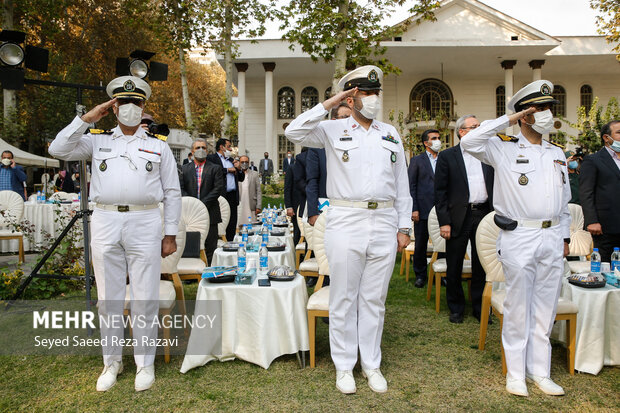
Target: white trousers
x=127 y=243
x=361 y=248
x=532 y=260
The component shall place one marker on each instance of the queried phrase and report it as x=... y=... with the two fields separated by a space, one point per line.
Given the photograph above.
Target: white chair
x=486 y=238
x=309 y=267
x=170 y=288
x=195 y=217
x=225 y=214
x=11 y=214
x=302 y=246
x=439 y=266
x=580 y=241
x=318 y=302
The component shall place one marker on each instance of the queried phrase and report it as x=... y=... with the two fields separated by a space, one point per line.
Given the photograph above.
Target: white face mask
x=200 y=155
x=543 y=121
x=436 y=145
x=371 y=106
x=615 y=146
x=129 y=114
x=6 y=161
x=227 y=153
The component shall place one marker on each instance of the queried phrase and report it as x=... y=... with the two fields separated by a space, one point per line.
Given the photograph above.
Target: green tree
x=347 y=32
x=608 y=21
x=589 y=124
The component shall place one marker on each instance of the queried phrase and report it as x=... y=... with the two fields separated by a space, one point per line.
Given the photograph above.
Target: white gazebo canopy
x=24 y=158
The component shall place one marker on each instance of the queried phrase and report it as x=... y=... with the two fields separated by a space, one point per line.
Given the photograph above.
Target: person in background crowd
x=250 y=195
x=573 y=162
x=205 y=181
x=295 y=192
x=64 y=182
x=189 y=158
x=12 y=176
x=252 y=167
x=287 y=162
x=599 y=190
x=422 y=186
x=265 y=168
x=232 y=176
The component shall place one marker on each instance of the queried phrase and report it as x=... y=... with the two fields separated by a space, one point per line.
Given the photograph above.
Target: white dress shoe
x=516 y=387
x=376 y=381
x=345 y=381
x=107 y=379
x=546 y=385
x=145 y=377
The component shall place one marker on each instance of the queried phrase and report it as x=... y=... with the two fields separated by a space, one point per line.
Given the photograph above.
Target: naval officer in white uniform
x=369 y=218
x=531 y=195
x=132 y=171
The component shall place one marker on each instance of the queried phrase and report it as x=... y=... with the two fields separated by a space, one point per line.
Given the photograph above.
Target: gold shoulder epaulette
x=556 y=144
x=507 y=138
x=99 y=132
x=154 y=135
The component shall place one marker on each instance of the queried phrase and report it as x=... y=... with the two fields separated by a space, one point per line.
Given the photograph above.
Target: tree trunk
x=340 y=56
x=10 y=99
x=225 y=124
x=186 y=103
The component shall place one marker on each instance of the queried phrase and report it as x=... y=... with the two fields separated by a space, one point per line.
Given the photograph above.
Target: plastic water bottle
x=270 y=224
x=263 y=259
x=244 y=233
x=595 y=262
x=38 y=197
x=42 y=197
x=615 y=259
x=241 y=257
x=79 y=197
x=264 y=232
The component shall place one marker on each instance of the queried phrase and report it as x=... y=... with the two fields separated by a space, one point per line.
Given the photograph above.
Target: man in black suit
x=265 y=168
x=599 y=190
x=189 y=158
x=295 y=191
x=252 y=167
x=422 y=187
x=232 y=175
x=211 y=187
x=287 y=162
x=463 y=196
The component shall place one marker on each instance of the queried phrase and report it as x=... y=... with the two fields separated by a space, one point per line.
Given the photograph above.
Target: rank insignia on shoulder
x=160 y=137
x=99 y=132
x=560 y=162
x=389 y=138
x=556 y=144
x=507 y=138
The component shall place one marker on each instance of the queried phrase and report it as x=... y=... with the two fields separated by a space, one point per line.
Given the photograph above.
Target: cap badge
x=373 y=76
x=545 y=89
x=129 y=86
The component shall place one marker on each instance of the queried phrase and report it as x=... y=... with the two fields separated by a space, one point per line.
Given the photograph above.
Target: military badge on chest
x=523 y=179
x=149 y=166
x=345 y=156
x=103 y=166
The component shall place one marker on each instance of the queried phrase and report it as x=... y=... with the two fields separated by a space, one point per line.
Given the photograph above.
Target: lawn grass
x=430 y=364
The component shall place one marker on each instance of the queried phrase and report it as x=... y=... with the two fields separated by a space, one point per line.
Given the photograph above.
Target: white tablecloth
x=259 y=324
x=43 y=218
x=226 y=258
x=598 y=326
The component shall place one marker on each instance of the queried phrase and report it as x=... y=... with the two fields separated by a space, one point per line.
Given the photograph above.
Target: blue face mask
x=615 y=146
x=573 y=165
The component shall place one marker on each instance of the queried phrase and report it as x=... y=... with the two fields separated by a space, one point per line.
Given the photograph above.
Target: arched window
x=328 y=93
x=500 y=101
x=286 y=103
x=431 y=96
x=559 y=109
x=585 y=97
x=309 y=98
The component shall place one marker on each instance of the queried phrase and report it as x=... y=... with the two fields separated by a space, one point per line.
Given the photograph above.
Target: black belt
x=475 y=207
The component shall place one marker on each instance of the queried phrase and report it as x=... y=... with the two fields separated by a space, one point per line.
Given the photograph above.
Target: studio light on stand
x=13 y=56
x=138 y=65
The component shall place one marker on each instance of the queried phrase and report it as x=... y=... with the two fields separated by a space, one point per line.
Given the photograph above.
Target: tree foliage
x=608 y=21
x=589 y=124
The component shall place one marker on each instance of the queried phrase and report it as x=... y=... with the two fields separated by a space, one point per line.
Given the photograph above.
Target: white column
x=536 y=66
x=270 y=143
x=241 y=68
x=507 y=65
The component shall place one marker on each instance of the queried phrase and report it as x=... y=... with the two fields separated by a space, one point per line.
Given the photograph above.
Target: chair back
x=439 y=244
x=12 y=207
x=300 y=223
x=308 y=235
x=580 y=240
x=486 y=243
x=195 y=217
x=225 y=213
x=318 y=241
x=170 y=263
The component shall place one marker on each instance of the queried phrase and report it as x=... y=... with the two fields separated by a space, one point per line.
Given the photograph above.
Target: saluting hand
x=520 y=115
x=98 y=112
x=337 y=98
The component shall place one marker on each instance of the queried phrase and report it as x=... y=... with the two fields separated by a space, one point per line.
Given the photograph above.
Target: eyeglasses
x=470 y=127
x=132 y=165
x=201 y=147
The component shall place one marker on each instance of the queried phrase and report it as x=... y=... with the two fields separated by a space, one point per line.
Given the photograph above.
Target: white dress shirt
x=359 y=161
x=475 y=178
x=230 y=177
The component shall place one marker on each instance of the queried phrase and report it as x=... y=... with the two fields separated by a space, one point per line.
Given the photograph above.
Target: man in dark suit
x=287 y=162
x=188 y=159
x=463 y=196
x=295 y=191
x=265 y=168
x=422 y=187
x=253 y=167
x=232 y=175
x=211 y=187
x=599 y=190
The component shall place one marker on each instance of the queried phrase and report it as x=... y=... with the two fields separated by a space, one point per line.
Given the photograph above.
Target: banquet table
x=598 y=326
x=259 y=324
x=43 y=218
x=229 y=258
x=287 y=239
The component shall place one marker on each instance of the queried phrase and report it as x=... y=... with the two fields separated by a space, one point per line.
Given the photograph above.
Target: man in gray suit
x=265 y=168
x=250 y=196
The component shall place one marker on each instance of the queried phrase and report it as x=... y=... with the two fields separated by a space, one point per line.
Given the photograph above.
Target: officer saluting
x=531 y=197
x=368 y=219
x=132 y=171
